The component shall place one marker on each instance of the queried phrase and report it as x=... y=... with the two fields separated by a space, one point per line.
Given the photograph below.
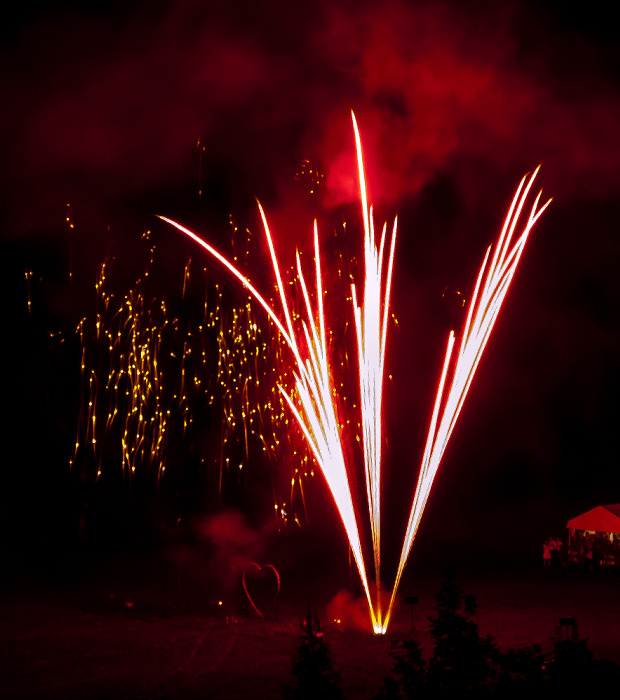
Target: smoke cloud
x=235 y=544
x=109 y=106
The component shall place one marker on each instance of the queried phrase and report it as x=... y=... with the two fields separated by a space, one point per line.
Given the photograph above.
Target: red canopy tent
x=594 y=537
x=599 y=519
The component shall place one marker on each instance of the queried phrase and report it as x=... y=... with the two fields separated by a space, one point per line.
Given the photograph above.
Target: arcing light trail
x=317 y=415
x=315 y=409
x=481 y=316
x=371 y=328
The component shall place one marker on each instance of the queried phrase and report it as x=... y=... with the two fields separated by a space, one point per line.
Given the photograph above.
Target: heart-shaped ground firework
x=264 y=582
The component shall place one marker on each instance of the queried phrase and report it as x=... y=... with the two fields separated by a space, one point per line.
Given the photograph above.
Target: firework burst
x=314 y=402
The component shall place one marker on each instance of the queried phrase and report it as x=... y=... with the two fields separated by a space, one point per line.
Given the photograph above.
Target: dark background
x=191 y=109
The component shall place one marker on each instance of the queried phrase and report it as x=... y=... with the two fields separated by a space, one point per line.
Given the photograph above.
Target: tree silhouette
x=462 y=659
x=313 y=668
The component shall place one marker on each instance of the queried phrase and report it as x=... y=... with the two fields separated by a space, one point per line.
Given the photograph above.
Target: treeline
x=462 y=662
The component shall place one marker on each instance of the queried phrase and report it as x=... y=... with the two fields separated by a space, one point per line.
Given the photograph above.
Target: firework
x=481 y=316
x=313 y=405
x=371 y=328
x=258 y=569
x=315 y=410
x=315 y=413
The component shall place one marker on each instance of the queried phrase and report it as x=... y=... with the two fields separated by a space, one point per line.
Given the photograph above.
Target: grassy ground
x=110 y=637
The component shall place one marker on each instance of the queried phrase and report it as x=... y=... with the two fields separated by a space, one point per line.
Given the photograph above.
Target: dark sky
x=103 y=110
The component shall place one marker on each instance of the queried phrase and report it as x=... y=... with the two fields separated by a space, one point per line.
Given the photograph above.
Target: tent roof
x=600 y=519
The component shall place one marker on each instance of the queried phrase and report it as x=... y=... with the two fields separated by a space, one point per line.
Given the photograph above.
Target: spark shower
x=313 y=404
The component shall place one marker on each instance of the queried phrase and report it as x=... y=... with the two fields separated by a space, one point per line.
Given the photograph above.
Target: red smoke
x=435 y=84
x=120 y=102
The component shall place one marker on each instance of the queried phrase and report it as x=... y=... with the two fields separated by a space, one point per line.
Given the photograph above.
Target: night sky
x=193 y=109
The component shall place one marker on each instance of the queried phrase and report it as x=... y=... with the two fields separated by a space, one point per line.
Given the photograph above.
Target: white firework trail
x=481 y=316
x=314 y=406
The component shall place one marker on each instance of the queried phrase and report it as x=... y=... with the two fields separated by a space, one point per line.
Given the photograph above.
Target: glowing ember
x=147 y=380
x=314 y=404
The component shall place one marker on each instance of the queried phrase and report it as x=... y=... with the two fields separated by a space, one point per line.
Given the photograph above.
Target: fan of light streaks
x=314 y=407
x=316 y=414
x=481 y=316
x=371 y=327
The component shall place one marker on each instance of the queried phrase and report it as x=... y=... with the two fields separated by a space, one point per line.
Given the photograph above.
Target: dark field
x=133 y=630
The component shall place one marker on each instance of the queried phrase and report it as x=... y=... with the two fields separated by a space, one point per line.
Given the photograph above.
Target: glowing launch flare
x=314 y=407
